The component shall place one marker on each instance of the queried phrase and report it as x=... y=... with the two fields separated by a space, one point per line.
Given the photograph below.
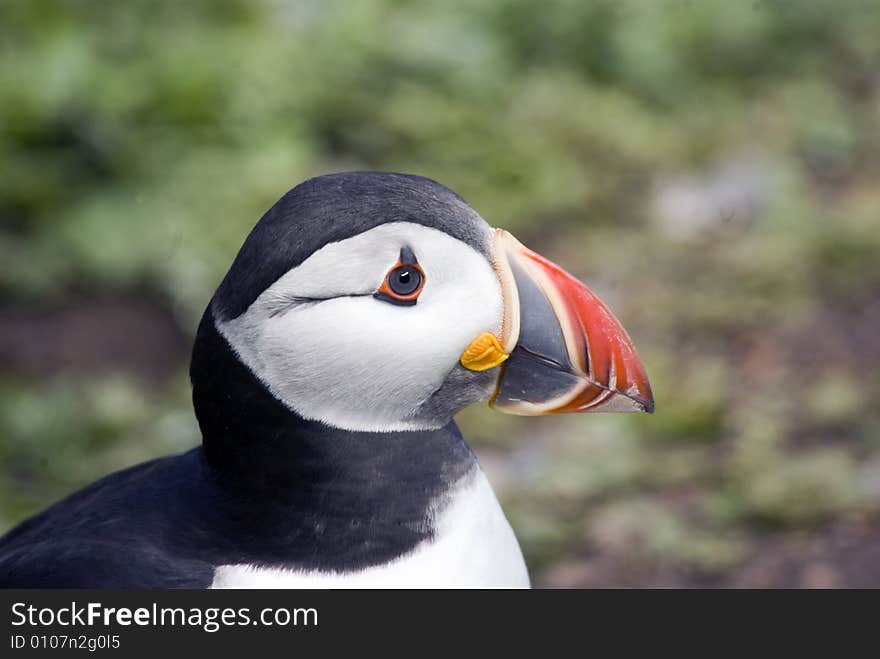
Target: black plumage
x=332 y=208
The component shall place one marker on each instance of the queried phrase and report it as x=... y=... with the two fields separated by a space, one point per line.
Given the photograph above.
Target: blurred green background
x=710 y=168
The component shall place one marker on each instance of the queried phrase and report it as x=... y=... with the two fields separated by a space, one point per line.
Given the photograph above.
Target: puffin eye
x=404 y=282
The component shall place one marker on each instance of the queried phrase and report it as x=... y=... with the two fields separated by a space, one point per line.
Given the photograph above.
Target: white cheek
x=360 y=363
x=365 y=363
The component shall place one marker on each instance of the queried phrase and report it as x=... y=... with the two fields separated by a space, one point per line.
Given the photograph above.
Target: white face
x=330 y=351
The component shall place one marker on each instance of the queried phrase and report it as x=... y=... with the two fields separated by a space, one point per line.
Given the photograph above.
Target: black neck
x=368 y=495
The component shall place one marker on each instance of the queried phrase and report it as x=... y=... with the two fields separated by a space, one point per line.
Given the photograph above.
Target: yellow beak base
x=483 y=353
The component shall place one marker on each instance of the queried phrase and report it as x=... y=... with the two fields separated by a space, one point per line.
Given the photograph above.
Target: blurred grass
x=711 y=169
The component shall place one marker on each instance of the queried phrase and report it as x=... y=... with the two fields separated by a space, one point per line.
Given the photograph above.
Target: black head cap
x=331 y=208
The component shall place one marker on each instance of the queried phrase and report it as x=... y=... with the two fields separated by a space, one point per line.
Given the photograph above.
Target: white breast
x=473 y=547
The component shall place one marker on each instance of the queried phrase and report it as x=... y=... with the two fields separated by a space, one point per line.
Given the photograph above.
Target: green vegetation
x=710 y=168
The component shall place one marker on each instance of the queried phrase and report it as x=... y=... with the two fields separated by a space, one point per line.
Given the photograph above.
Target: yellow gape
x=483 y=353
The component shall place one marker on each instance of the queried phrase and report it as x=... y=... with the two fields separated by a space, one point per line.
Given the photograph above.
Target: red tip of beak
x=598 y=346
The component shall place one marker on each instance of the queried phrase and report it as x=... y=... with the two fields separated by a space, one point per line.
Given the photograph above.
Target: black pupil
x=404 y=280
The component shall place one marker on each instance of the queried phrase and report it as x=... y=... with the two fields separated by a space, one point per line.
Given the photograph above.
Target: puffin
x=361 y=314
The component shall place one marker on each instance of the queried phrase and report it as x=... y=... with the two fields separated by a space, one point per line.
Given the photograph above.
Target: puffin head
x=383 y=302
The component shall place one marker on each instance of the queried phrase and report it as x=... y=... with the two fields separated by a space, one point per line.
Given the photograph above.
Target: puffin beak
x=560 y=349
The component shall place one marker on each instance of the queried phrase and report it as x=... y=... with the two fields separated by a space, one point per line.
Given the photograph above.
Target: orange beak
x=561 y=349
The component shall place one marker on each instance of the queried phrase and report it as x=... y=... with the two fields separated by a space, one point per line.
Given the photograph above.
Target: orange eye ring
x=404 y=282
